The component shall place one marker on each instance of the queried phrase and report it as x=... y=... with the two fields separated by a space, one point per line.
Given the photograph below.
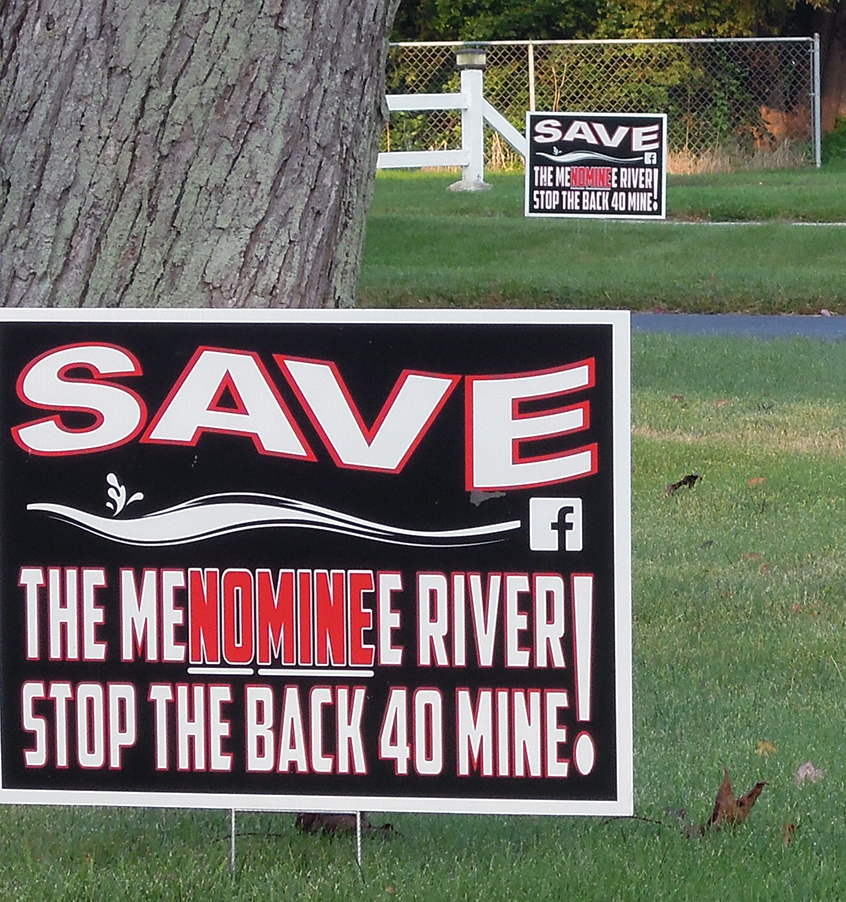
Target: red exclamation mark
x=655 y=205
x=584 y=753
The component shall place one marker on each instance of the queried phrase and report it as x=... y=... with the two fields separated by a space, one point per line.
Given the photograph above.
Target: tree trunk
x=830 y=23
x=187 y=152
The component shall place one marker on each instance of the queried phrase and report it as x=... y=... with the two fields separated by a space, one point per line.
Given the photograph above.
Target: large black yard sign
x=316 y=561
x=596 y=165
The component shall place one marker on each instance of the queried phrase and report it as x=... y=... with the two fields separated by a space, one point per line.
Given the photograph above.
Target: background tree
x=502 y=20
x=202 y=153
x=721 y=18
x=829 y=21
x=415 y=21
x=524 y=19
x=687 y=19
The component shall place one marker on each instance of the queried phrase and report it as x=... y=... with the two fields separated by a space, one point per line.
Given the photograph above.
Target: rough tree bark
x=830 y=23
x=187 y=152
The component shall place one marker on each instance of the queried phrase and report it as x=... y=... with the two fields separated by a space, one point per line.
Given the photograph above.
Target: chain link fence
x=731 y=103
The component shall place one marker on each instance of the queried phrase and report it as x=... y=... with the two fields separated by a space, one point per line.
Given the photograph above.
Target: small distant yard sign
x=316 y=561
x=596 y=165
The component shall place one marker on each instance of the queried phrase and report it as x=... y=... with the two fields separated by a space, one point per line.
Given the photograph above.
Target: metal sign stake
x=358 y=840
x=232 y=842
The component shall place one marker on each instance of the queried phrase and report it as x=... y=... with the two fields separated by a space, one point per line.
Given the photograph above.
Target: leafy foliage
x=834 y=142
x=687 y=19
x=422 y=20
x=499 y=19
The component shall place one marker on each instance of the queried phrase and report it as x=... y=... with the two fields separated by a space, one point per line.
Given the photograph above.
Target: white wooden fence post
x=471 y=62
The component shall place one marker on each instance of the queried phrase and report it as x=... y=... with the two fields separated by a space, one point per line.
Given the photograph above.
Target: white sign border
x=607 y=216
x=623 y=805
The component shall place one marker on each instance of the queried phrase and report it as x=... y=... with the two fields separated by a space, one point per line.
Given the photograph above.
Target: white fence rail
x=475 y=111
x=412 y=159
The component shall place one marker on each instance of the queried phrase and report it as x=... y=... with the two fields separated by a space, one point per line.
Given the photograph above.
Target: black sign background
x=428 y=494
x=596 y=165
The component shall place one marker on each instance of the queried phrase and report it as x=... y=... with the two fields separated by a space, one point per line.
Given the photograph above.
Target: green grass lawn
x=739 y=662
x=739 y=582
x=427 y=246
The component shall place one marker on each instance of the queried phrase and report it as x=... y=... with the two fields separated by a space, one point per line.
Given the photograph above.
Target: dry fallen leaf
x=757 y=480
x=808 y=771
x=731 y=810
x=722 y=402
x=766 y=749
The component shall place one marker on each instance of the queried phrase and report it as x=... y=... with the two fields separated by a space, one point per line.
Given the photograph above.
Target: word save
x=642 y=137
x=231 y=391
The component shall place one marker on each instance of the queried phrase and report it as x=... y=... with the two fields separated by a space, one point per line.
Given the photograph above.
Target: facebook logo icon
x=555 y=524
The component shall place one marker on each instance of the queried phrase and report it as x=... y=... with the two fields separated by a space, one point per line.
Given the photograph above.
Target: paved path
x=830 y=328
